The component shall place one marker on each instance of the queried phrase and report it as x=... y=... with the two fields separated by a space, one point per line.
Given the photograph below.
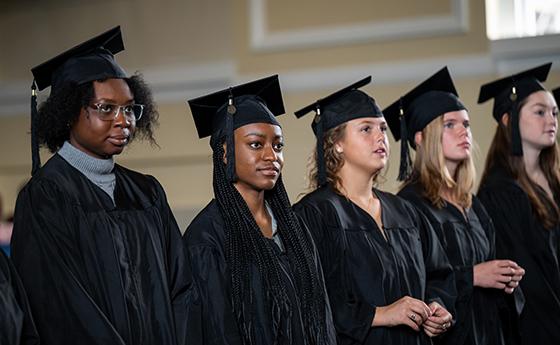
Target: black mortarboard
x=342 y=106
x=412 y=112
x=508 y=92
x=220 y=113
x=89 y=61
x=556 y=93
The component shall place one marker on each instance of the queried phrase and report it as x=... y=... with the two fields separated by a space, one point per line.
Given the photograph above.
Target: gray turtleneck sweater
x=98 y=171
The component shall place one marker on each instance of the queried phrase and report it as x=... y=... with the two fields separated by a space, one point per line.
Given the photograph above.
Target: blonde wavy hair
x=431 y=172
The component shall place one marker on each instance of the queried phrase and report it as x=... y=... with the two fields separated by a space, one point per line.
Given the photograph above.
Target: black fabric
x=258 y=101
x=412 y=112
x=16 y=323
x=97 y=273
x=363 y=270
x=556 y=93
x=215 y=322
x=521 y=84
x=433 y=97
x=88 y=61
x=521 y=236
x=467 y=240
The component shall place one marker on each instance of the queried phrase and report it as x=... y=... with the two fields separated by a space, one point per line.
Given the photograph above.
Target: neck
x=531 y=160
x=356 y=183
x=254 y=200
x=451 y=168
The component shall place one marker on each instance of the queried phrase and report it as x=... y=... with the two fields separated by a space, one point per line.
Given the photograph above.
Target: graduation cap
x=86 y=62
x=220 y=113
x=509 y=92
x=412 y=112
x=556 y=93
x=342 y=106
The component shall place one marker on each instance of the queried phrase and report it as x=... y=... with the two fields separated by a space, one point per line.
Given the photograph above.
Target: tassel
x=406 y=162
x=35 y=157
x=516 y=147
x=321 y=170
x=230 y=143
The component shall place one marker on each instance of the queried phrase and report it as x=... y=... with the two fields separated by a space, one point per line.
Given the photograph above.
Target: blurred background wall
x=186 y=48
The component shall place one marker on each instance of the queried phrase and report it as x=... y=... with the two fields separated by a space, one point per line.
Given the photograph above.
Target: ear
x=338 y=148
x=417 y=138
x=505 y=119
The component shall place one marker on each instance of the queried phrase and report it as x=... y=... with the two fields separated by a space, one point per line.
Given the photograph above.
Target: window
x=522 y=18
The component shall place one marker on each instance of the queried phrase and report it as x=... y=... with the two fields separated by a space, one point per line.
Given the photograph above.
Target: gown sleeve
x=212 y=321
x=352 y=318
x=41 y=243
x=16 y=323
x=510 y=223
x=178 y=272
x=440 y=280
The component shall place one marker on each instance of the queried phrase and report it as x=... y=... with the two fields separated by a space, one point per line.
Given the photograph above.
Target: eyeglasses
x=109 y=112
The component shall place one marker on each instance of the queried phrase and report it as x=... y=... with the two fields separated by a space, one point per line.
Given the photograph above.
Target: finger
x=429 y=333
x=432 y=324
x=505 y=271
x=432 y=330
x=509 y=290
x=507 y=263
x=421 y=309
x=512 y=284
x=504 y=278
x=410 y=323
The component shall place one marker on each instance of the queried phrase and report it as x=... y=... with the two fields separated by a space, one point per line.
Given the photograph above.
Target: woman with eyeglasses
x=96 y=244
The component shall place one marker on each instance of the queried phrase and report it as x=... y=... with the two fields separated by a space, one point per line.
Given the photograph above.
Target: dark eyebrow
x=112 y=101
x=260 y=135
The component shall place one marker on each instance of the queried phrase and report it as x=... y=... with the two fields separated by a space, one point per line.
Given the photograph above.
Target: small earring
x=338 y=150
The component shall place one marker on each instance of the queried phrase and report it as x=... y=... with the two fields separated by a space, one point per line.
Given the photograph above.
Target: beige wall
x=187 y=48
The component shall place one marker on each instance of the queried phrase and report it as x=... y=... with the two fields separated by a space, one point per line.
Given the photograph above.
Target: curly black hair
x=63 y=106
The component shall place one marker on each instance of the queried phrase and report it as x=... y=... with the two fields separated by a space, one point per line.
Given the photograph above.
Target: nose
x=121 y=120
x=269 y=154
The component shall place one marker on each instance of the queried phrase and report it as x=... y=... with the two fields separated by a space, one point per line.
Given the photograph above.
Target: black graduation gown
x=362 y=270
x=97 y=273
x=521 y=236
x=216 y=324
x=16 y=323
x=467 y=241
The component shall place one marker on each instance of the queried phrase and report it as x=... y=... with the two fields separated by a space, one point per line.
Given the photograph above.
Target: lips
x=381 y=151
x=465 y=145
x=269 y=170
x=118 y=140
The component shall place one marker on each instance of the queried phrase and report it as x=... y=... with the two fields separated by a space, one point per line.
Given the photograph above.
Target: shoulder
x=499 y=182
x=207 y=228
x=397 y=211
x=149 y=186
x=321 y=199
x=412 y=192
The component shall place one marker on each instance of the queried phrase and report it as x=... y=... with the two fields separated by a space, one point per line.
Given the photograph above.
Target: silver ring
x=412 y=317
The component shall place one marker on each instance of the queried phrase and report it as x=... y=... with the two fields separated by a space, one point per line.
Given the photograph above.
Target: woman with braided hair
x=254 y=265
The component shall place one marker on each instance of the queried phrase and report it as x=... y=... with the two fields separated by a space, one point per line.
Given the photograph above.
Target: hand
x=438 y=322
x=515 y=279
x=497 y=274
x=407 y=311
